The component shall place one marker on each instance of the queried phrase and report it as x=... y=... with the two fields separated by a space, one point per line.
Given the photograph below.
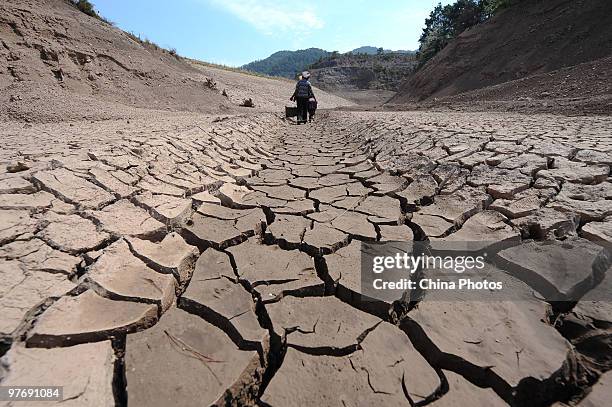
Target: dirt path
x=194 y=260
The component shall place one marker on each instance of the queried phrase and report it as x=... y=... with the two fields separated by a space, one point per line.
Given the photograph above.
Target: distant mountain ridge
x=290 y=63
x=287 y=63
x=369 y=50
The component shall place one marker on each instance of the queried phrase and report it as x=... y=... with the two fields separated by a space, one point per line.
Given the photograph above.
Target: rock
x=484 y=229
x=527 y=164
x=117 y=274
x=329 y=194
x=522 y=204
x=284 y=192
x=89 y=318
x=22 y=290
x=421 y=190
x=599 y=232
x=155 y=186
x=432 y=225
x=463 y=393
x=72 y=189
x=458 y=207
x=72 y=233
x=373 y=375
x=592 y=174
x=111 y=183
x=594 y=157
x=590 y=202
x=181 y=342
x=274 y=272
x=15 y=224
x=323 y=239
x=171 y=256
x=400 y=233
x=547 y=223
x=500 y=182
x=288 y=230
x=125 y=219
x=18 y=166
x=166 y=209
x=88 y=382
x=16 y=185
x=600 y=392
x=214 y=295
x=319 y=323
x=559 y=270
x=484 y=342
x=205 y=197
x=221 y=227
x=37 y=201
x=36 y=256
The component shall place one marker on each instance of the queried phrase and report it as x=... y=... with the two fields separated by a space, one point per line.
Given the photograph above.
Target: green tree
x=447 y=22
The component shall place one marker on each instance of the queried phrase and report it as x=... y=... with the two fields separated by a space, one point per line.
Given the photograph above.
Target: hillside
x=367 y=79
x=533 y=37
x=266 y=93
x=90 y=69
x=374 y=50
x=362 y=71
x=286 y=63
x=87 y=67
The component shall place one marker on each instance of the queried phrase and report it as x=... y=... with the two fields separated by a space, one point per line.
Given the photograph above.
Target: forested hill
x=287 y=63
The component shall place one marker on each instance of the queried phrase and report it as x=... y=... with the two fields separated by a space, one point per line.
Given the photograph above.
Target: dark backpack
x=303 y=89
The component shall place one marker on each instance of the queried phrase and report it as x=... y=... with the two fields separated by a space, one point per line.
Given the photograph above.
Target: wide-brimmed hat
x=305 y=74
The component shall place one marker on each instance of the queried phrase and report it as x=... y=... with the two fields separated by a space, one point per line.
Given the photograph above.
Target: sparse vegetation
x=147 y=43
x=224 y=93
x=447 y=22
x=88 y=8
x=233 y=69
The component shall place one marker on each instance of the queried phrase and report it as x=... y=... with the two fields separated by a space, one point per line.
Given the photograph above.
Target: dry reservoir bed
x=192 y=260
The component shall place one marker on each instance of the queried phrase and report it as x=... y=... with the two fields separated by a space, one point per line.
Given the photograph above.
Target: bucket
x=291 y=111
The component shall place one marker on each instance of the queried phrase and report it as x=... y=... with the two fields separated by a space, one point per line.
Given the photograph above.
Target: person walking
x=303 y=92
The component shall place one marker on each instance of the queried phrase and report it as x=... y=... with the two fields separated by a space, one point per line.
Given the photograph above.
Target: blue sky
x=234 y=32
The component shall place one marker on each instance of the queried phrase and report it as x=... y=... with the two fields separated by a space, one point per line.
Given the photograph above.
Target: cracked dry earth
x=192 y=260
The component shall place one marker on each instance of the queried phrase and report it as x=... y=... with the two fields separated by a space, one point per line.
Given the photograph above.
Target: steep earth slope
x=56 y=61
x=533 y=37
x=362 y=71
x=363 y=77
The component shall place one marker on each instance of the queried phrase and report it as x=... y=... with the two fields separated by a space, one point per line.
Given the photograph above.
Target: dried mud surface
x=214 y=260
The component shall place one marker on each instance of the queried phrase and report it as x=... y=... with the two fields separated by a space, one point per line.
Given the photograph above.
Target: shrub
x=86 y=7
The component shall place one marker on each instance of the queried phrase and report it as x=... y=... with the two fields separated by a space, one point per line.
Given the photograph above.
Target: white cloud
x=272 y=16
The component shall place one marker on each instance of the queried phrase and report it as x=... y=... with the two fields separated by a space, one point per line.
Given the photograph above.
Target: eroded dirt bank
x=202 y=260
